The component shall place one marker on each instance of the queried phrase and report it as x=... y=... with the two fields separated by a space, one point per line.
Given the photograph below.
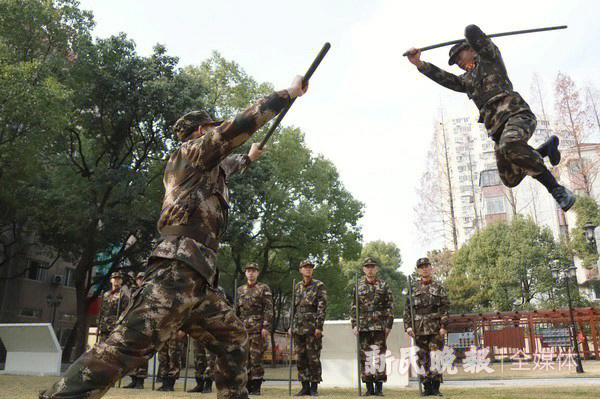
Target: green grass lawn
x=18 y=387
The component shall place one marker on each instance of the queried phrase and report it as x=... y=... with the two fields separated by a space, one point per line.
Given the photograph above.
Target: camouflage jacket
x=309 y=307
x=111 y=309
x=375 y=306
x=487 y=84
x=196 y=192
x=255 y=307
x=430 y=308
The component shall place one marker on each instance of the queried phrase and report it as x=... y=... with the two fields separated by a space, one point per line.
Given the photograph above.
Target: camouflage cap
x=252 y=265
x=306 y=262
x=423 y=262
x=189 y=123
x=116 y=274
x=370 y=261
x=140 y=275
x=455 y=50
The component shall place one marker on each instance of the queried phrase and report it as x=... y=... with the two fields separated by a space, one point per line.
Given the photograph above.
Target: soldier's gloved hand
x=298 y=88
x=414 y=56
x=255 y=152
x=264 y=333
x=318 y=333
x=410 y=332
x=442 y=332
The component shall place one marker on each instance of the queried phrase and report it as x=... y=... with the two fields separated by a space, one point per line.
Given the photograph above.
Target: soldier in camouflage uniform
x=376 y=318
x=114 y=303
x=178 y=291
x=169 y=357
x=507 y=117
x=204 y=360
x=139 y=374
x=309 y=317
x=430 y=307
x=255 y=308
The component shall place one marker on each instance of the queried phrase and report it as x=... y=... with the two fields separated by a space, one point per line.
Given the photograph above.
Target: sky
x=368 y=109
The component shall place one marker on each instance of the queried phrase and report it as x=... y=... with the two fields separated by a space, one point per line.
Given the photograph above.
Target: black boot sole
x=553 y=152
x=569 y=204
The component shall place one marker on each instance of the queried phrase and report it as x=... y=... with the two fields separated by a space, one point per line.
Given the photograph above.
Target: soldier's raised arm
x=441 y=77
x=218 y=142
x=480 y=42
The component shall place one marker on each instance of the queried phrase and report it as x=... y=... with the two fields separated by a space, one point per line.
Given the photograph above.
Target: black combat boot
x=305 y=391
x=134 y=382
x=140 y=383
x=313 y=389
x=379 y=388
x=207 y=385
x=168 y=385
x=436 y=389
x=564 y=197
x=199 y=385
x=370 y=389
x=256 y=387
x=550 y=149
x=427 y=389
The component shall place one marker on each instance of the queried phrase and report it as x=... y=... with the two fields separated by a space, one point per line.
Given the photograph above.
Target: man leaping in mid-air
x=507 y=117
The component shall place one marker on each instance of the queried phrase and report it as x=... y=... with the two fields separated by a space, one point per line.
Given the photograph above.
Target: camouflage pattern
x=189 y=123
x=204 y=361
x=376 y=313
x=426 y=344
x=501 y=109
x=372 y=343
x=173 y=297
x=430 y=304
x=113 y=305
x=308 y=357
x=169 y=357
x=309 y=315
x=196 y=192
x=252 y=265
x=255 y=308
x=142 y=371
x=375 y=306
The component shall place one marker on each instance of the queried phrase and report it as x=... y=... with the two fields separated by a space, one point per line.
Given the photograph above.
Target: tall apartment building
x=483 y=199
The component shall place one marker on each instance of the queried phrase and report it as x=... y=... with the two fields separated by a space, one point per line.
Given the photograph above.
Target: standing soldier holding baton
x=376 y=310
x=430 y=305
x=113 y=303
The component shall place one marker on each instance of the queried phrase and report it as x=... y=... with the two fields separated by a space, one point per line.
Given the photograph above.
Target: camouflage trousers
x=141 y=372
x=256 y=352
x=426 y=344
x=173 y=297
x=169 y=357
x=514 y=157
x=372 y=349
x=204 y=361
x=308 y=357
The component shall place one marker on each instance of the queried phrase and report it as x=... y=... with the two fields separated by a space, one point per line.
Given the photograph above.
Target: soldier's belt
x=204 y=237
x=307 y=308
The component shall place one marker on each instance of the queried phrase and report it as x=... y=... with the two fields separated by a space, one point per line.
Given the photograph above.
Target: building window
x=36 y=270
x=489 y=178
x=467 y=199
x=69 y=277
x=495 y=205
x=33 y=313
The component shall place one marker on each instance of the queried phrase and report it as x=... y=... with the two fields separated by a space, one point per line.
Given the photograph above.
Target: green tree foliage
x=390 y=261
x=587 y=210
x=506 y=266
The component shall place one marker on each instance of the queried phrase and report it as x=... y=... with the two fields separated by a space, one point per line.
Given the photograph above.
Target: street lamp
x=589 y=228
x=567 y=275
x=54 y=302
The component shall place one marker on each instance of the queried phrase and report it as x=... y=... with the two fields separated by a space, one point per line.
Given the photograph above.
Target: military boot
x=140 y=383
x=134 y=382
x=168 y=384
x=314 y=389
x=564 y=197
x=207 y=385
x=436 y=389
x=379 y=388
x=550 y=149
x=370 y=389
x=199 y=385
x=427 y=389
x=256 y=387
x=305 y=391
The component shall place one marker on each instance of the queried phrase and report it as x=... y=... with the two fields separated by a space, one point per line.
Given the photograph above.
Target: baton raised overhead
x=516 y=32
x=305 y=79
